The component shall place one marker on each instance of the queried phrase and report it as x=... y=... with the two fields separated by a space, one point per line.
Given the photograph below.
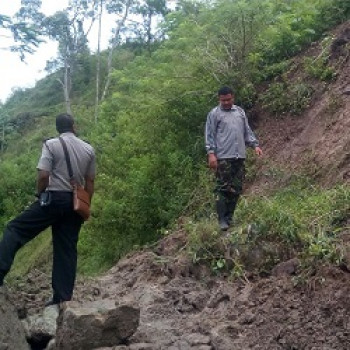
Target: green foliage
x=204 y=242
x=18 y=168
x=268 y=72
x=318 y=67
x=300 y=220
x=36 y=254
x=300 y=214
x=282 y=97
x=298 y=23
x=24 y=27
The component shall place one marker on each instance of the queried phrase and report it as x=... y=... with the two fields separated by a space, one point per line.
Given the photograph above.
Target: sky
x=16 y=74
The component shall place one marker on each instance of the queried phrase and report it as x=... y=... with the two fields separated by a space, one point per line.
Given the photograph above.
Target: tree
x=121 y=8
x=23 y=28
x=98 y=64
x=70 y=30
x=149 y=10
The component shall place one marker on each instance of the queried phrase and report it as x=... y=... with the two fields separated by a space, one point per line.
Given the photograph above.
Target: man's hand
x=212 y=161
x=258 y=151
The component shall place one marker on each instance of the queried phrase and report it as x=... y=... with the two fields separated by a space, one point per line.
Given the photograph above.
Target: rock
x=121 y=347
x=142 y=346
x=223 y=337
x=218 y=298
x=41 y=327
x=346 y=91
x=94 y=325
x=12 y=334
x=198 y=339
x=286 y=268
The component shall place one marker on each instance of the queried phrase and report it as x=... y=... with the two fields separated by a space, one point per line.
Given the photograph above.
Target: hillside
x=185 y=305
x=316 y=143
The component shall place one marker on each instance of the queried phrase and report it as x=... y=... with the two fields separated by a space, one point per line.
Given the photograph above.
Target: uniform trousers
x=65 y=225
x=229 y=186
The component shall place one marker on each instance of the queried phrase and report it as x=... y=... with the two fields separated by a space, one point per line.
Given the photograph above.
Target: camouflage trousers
x=229 y=185
x=229 y=178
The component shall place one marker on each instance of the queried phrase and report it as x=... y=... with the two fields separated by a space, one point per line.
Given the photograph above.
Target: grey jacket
x=227 y=133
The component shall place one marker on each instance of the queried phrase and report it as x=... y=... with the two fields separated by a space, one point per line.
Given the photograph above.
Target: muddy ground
x=286 y=310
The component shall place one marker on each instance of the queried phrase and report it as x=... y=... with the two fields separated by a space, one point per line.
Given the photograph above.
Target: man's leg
x=65 y=238
x=19 y=231
x=229 y=176
x=221 y=210
x=235 y=187
x=222 y=186
x=231 y=204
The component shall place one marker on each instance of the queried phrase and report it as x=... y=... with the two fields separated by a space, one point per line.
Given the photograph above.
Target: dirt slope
x=317 y=142
x=178 y=300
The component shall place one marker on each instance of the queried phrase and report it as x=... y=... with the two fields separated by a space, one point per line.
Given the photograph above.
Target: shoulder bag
x=81 y=199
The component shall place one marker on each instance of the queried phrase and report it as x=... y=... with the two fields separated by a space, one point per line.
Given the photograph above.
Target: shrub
x=282 y=98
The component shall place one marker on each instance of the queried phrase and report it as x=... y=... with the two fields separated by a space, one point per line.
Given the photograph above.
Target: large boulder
x=97 y=324
x=11 y=330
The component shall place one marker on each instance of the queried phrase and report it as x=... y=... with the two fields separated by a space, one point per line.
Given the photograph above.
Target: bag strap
x=69 y=165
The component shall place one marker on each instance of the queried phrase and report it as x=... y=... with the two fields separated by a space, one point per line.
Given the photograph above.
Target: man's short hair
x=64 y=123
x=225 y=90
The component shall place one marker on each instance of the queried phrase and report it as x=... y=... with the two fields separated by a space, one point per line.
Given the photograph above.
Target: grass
x=300 y=220
x=36 y=254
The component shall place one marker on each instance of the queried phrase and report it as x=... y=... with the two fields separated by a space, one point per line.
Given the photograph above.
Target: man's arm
x=210 y=133
x=210 y=140
x=42 y=180
x=89 y=186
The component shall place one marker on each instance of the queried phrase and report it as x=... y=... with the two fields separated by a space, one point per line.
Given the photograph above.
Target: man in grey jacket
x=227 y=133
x=53 y=179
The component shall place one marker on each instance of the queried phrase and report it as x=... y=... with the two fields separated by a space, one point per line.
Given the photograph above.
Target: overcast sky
x=15 y=73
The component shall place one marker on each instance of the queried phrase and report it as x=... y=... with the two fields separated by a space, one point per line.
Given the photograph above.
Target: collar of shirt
x=233 y=108
x=68 y=133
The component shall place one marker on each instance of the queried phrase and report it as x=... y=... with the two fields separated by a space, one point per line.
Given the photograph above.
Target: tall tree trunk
x=149 y=32
x=98 y=64
x=3 y=136
x=67 y=82
x=113 y=46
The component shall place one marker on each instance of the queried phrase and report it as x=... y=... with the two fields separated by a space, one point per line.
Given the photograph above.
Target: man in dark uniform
x=227 y=133
x=53 y=178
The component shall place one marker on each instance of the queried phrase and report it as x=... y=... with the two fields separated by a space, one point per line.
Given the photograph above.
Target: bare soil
x=179 y=299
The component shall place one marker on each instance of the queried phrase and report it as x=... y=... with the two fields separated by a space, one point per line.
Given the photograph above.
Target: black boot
x=231 y=206
x=221 y=209
x=55 y=300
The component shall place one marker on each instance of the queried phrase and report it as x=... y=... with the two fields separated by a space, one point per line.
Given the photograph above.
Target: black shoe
x=224 y=226
x=51 y=302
